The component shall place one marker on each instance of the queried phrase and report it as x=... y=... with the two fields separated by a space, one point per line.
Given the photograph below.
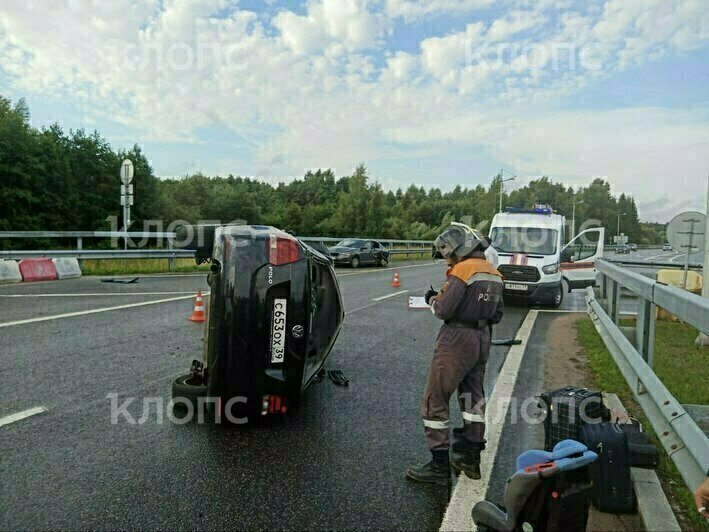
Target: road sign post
x=127 y=171
x=703 y=339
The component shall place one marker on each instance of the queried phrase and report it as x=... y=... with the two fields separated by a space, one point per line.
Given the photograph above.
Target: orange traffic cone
x=198 y=314
x=395 y=283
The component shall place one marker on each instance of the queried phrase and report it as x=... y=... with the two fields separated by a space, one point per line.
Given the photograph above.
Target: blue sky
x=435 y=93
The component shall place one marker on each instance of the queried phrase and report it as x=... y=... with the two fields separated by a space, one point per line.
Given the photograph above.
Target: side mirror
x=567 y=255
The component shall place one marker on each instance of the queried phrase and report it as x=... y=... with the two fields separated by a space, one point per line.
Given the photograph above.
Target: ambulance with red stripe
x=533 y=260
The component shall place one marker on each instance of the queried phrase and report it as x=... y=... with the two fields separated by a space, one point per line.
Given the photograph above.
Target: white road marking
x=94 y=311
x=21 y=415
x=469 y=492
x=680 y=256
x=382 y=298
x=647 y=259
x=97 y=294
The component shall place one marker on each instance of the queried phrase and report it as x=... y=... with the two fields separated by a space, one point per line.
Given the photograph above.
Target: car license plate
x=278 y=330
x=512 y=286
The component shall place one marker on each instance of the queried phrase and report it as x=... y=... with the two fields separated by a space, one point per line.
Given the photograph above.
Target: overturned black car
x=274 y=313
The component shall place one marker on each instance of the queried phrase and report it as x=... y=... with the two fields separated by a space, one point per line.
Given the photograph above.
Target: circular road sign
x=127 y=171
x=678 y=232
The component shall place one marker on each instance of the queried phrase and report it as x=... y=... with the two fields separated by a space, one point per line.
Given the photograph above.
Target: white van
x=532 y=260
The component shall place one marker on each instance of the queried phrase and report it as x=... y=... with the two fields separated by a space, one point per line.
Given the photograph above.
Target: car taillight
x=283 y=250
x=274 y=404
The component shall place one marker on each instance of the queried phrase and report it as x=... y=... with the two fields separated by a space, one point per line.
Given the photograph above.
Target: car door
x=366 y=255
x=579 y=256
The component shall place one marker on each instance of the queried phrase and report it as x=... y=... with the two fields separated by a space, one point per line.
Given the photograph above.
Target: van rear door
x=579 y=256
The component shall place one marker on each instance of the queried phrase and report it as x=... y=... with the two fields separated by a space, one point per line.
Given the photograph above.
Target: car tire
x=354 y=262
x=188 y=389
x=558 y=297
x=383 y=261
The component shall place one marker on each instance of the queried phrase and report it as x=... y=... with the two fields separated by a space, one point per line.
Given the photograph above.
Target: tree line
x=52 y=179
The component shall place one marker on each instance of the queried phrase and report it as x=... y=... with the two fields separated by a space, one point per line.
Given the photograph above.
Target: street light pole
x=618 y=229
x=573 y=219
x=502 y=181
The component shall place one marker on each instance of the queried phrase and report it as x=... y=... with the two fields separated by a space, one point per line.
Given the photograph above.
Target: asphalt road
x=338 y=464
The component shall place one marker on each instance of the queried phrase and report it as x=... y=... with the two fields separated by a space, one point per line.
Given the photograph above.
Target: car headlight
x=551 y=268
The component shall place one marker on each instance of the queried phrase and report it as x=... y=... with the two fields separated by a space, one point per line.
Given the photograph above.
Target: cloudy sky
x=435 y=92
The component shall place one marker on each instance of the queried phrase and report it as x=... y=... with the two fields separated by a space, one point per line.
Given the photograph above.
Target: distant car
x=275 y=311
x=666 y=247
x=633 y=247
x=357 y=252
x=622 y=248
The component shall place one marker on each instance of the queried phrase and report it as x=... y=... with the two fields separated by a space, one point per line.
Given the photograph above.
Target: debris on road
x=338 y=377
x=507 y=341
x=120 y=280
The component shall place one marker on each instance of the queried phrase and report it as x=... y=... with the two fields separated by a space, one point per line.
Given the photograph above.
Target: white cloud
x=416 y=9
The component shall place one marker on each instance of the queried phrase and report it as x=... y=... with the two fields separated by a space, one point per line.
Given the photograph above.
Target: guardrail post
x=617 y=289
x=79 y=247
x=645 y=330
x=171 y=260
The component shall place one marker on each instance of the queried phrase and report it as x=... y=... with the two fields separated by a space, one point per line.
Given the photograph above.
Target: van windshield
x=532 y=240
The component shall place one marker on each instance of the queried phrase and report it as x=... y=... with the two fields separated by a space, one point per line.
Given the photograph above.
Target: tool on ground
x=121 y=280
x=338 y=377
x=198 y=314
x=395 y=283
x=507 y=341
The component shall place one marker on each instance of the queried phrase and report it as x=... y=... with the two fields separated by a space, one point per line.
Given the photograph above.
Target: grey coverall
x=470 y=300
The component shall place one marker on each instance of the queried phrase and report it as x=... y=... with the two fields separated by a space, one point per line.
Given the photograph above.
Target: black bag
x=612 y=485
x=568 y=409
x=643 y=453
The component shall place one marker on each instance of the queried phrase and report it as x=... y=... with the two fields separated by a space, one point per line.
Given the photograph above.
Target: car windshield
x=533 y=240
x=351 y=243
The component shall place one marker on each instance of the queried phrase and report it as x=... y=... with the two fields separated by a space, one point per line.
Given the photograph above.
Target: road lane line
x=382 y=298
x=100 y=294
x=21 y=415
x=469 y=492
x=94 y=311
x=681 y=255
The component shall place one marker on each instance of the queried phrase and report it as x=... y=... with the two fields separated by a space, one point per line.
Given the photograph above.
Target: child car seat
x=549 y=491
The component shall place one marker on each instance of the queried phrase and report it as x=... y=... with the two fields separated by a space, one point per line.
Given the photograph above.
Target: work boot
x=467 y=461
x=437 y=471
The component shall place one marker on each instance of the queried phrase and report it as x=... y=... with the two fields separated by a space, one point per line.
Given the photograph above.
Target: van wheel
x=558 y=296
x=188 y=389
x=355 y=262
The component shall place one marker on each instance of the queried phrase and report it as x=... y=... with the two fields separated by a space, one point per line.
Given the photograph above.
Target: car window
x=351 y=243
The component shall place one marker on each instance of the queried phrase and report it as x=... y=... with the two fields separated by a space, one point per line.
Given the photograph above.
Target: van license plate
x=278 y=331
x=511 y=286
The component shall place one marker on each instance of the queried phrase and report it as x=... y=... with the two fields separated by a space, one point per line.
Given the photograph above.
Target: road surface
x=338 y=464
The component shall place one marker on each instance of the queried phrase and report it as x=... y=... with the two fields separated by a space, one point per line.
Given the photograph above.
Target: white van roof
x=527 y=219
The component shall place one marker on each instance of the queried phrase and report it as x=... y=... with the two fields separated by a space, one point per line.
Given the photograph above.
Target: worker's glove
x=430 y=293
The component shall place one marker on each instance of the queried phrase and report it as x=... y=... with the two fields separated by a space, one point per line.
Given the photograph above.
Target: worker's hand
x=430 y=294
x=701 y=497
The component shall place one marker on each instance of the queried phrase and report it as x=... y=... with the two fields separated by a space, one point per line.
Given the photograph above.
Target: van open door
x=579 y=256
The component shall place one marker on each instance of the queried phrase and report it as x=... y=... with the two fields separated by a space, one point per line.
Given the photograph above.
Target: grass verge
x=138 y=266
x=681 y=366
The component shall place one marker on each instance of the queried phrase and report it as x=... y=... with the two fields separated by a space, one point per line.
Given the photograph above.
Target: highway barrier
x=67 y=268
x=9 y=272
x=632 y=349
x=37 y=270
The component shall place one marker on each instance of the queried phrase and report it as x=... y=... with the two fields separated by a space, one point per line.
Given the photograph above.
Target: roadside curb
x=653 y=507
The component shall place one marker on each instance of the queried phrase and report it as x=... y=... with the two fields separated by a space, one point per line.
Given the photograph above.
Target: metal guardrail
x=656 y=264
x=409 y=247
x=632 y=350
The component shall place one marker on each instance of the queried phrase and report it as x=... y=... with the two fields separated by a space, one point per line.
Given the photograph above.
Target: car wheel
x=383 y=261
x=188 y=389
x=558 y=296
x=355 y=262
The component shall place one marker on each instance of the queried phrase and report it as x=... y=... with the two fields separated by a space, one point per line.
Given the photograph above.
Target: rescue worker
x=469 y=301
